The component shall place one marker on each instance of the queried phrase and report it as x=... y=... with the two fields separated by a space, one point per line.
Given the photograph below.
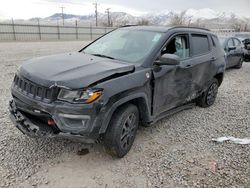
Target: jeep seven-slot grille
x=33 y=90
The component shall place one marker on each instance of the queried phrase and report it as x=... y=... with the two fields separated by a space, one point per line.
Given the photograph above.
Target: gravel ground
x=175 y=152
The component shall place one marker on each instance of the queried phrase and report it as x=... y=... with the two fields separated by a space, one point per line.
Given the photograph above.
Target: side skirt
x=172 y=112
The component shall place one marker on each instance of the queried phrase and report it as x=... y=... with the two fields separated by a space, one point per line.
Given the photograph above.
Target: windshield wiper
x=101 y=55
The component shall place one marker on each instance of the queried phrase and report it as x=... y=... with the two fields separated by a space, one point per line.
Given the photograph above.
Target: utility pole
x=108 y=13
x=96 y=13
x=62 y=14
x=13 y=28
x=245 y=27
x=39 y=28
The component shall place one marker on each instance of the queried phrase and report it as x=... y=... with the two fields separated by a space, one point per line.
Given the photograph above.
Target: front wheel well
x=143 y=108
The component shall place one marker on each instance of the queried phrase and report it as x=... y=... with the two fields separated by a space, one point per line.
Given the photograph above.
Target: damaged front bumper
x=32 y=119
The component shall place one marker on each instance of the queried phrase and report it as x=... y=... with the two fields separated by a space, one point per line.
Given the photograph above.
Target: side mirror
x=168 y=59
x=230 y=48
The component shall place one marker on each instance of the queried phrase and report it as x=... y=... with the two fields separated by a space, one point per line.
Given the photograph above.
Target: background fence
x=33 y=32
x=48 y=32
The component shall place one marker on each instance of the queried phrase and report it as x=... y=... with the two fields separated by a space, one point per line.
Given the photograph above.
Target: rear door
x=231 y=53
x=202 y=62
x=238 y=51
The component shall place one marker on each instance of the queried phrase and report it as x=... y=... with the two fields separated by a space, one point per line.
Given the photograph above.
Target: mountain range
x=198 y=17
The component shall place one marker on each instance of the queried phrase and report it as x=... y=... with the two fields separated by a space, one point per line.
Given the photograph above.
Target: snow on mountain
x=205 y=17
x=205 y=13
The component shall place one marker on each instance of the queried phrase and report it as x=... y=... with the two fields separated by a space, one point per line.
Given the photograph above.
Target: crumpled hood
x=71 y=70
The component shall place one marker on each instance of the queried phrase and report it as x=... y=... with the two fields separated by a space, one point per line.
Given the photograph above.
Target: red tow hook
x=51 y=122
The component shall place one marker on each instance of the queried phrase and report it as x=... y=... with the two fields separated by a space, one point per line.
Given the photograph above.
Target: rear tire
x=208 y=97
x=122 y=129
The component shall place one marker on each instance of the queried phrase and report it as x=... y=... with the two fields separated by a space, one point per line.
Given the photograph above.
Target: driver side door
x=173 y=83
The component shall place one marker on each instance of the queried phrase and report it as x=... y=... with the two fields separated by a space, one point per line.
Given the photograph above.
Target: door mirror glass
x=168 y=59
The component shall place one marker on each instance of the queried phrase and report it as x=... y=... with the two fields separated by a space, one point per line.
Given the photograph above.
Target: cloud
x=1 y=15
x=149 y=5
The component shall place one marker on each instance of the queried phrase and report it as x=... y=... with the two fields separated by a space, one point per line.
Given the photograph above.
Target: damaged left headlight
x=79 y=96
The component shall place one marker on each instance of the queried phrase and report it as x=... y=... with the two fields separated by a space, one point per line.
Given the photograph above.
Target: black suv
x=132 y=75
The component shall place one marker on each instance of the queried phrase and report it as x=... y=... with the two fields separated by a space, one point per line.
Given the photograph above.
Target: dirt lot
x=175 y=152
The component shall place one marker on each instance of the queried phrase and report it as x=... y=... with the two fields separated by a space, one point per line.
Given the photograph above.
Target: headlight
x=78 y=96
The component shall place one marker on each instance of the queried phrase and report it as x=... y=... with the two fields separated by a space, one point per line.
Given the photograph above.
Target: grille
x=34 y=90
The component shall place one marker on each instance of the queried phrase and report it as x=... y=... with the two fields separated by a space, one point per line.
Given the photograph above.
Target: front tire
x=208 y=97
x=122 y=130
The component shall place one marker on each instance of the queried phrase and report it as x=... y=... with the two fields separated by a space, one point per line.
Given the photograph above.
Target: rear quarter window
x=200 y=44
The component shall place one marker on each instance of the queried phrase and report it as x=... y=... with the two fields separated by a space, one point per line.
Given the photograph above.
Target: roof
x=161 y=29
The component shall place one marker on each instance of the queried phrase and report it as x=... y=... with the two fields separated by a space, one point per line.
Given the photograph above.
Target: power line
x=108 y=13
x=96 y=13
x=62 y=14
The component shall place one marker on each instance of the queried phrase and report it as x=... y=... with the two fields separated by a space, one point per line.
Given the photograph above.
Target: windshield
x=127 y=45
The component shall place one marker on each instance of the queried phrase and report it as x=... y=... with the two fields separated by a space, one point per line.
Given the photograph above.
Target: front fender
x=117 y=91
x=108 y=115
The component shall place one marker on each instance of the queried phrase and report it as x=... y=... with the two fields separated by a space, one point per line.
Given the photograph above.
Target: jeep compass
x=130 y=76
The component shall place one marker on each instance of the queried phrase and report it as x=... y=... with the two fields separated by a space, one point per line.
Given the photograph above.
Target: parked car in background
x=233 y=48
x=245 y=38
x=130 y=75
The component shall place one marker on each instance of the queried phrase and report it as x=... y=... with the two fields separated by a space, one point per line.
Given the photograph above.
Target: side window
x=237 y=42
x=230 y=43
x=179 y=46
x=200 y=44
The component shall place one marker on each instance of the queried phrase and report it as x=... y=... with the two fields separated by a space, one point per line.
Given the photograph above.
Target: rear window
x=237 y=42
x=230 y=43
x=200 y=44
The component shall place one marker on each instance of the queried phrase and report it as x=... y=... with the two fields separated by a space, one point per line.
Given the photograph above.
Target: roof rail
x=128 y=26
x=174 y=27
x=191 y=27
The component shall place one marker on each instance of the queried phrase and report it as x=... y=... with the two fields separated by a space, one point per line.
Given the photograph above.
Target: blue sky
x=42 y=8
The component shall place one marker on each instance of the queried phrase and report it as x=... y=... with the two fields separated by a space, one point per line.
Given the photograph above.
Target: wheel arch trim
x=108 y=115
